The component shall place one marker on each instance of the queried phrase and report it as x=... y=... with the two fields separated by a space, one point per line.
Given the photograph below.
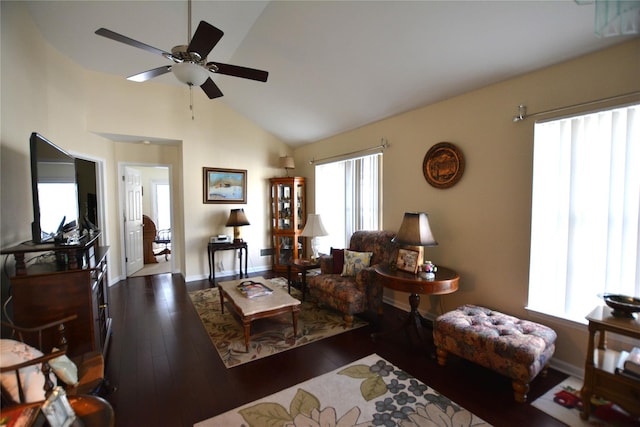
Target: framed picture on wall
x=224 y=185
x=407 y=260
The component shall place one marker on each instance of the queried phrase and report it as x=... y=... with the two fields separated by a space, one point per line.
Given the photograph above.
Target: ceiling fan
x=190 y=61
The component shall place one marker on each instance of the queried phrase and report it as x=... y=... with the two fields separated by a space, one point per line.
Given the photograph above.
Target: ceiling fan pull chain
x=191 y=101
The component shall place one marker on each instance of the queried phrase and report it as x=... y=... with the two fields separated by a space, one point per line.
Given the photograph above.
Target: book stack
x=629 y=363
x=251 y=289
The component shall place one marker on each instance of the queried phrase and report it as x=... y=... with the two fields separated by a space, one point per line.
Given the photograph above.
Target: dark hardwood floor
x=168 y=373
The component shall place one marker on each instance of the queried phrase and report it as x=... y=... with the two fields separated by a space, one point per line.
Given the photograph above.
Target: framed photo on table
x=408 y=260
x=224 y=185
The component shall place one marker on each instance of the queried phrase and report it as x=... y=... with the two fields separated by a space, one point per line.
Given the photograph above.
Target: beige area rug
x=563 y=403
x=268 y=336
x=161 y=267
x=368 y=392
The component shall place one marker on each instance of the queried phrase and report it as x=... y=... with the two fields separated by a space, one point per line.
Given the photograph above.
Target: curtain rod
x=522 y=109
x=383 y=144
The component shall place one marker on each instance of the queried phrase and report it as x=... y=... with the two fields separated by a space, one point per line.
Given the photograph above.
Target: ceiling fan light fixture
x=190 y=73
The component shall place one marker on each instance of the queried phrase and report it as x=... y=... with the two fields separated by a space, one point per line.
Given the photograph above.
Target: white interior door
x=133 y=220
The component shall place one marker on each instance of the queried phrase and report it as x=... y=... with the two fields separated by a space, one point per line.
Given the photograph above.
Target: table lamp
x=287 y=163
x=314 y=228
x=237 y=219
x=415 y=231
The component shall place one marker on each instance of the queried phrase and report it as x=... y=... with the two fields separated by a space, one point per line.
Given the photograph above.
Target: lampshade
x=415 y=230
x=237 y=219
x=190 y=73
x=314 y=227
x=287 y=163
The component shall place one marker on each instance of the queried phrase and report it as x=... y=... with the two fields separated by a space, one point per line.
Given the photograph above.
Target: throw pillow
x=338 y=260
x=31 y=377
x=354 y=262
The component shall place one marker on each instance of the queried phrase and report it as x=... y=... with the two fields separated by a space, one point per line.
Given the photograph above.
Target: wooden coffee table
x=249 y=309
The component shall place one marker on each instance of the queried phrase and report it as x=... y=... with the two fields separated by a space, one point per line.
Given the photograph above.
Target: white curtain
x=348 y=196
x=585 y=232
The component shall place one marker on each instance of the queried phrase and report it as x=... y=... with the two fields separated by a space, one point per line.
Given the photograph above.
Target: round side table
x=445 y=282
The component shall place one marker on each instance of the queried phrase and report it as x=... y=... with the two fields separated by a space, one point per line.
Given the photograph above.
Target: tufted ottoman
x=518 y=349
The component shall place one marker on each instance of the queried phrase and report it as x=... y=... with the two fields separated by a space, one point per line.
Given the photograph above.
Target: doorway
x=156 y=214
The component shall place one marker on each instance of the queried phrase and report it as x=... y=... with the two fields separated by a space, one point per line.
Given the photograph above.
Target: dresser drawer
x=620 y=389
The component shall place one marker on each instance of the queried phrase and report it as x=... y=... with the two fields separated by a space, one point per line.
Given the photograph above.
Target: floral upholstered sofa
x=347 y=281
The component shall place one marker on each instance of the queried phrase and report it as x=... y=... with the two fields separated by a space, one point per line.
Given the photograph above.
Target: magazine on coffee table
x=251 y=289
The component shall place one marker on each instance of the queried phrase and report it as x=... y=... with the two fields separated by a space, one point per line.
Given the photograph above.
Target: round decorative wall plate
x=443 y=165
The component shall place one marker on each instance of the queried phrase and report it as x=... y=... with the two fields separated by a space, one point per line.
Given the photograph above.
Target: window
x=161 y=205
x=348 y=198
x=585 y=232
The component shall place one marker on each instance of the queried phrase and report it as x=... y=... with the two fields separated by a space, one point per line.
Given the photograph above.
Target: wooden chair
x=90 y=365
x=151 y=235
x=149 y=232
x=163 y=237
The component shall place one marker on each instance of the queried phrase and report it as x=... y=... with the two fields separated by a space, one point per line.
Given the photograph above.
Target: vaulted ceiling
x=333 y=65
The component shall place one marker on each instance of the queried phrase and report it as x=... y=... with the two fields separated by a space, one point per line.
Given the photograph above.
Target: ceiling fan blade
x=204 y=39
x=237 y=71
x=149 y=74
x=131 y=42
x=211 y=89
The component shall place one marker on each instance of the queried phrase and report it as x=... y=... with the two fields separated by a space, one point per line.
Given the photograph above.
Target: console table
x=599 y=370
x=212 y=248
x=445 y=282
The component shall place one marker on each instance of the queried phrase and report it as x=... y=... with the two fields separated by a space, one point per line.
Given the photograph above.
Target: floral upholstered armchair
x=347 y=281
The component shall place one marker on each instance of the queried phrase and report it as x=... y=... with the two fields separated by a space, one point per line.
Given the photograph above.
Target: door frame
x=103 y=208
x=121 y=211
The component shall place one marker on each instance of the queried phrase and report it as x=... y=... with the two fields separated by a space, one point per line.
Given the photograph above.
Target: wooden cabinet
x=288 y=215
x=600 y=377
x=50 y=289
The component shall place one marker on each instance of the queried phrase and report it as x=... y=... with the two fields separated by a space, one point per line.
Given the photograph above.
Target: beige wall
x=482 y=223
x=42 y=91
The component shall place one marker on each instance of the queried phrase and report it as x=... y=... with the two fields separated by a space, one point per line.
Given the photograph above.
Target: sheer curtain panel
x=585 y=230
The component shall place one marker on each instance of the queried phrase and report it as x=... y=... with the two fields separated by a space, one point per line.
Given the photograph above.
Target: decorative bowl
x=622 y=305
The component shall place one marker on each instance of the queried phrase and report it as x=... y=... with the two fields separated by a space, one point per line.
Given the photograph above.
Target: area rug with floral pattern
x=368 y=392
x=268 y=336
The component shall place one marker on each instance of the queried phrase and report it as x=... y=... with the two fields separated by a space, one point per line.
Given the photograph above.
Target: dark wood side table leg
x=240 y=250
x=303 y=285
x=414 y=321
x=246 y=259
x=209 y=258
x=294 y=313
x=289 y=277
x=213 y=270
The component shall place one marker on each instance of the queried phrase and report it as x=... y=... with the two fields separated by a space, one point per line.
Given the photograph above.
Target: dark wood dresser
x=61 y=280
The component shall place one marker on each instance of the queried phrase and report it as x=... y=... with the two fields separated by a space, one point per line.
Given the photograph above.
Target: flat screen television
x=54 y=189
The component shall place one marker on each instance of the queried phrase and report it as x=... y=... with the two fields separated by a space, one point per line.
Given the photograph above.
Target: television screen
x=54 y=188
